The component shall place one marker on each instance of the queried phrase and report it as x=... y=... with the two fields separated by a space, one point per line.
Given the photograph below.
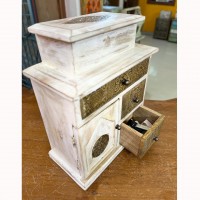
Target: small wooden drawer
x=101 y=96
x=132 y=98
x=136 y=142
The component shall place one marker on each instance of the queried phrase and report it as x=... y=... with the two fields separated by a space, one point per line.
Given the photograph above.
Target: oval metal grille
x=87 y=19
x=100 y=145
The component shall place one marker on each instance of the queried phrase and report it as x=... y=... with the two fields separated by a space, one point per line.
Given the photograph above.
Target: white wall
x=72 y=8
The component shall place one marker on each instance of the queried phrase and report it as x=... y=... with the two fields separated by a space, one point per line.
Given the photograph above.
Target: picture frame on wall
x=162 y=2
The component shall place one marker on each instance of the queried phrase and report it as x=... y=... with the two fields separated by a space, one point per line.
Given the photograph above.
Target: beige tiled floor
x=162 y=79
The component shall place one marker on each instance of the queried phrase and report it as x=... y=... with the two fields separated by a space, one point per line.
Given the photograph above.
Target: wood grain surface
x=127 y=177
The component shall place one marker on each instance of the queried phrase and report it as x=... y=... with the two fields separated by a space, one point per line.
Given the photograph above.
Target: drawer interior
x=143 y=113
x=135 y=141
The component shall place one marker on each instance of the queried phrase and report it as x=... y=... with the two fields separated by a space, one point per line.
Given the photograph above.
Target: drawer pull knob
x=155 y=139
x=125 y=82
x=136 y=100
x=118 y=127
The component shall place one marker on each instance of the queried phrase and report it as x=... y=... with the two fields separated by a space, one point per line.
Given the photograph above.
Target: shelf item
x=161 y=30
x=173 y=31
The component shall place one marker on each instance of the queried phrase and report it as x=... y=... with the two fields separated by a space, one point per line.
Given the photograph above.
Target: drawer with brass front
x=101 y=96
x=132 y=98
x=136 y=142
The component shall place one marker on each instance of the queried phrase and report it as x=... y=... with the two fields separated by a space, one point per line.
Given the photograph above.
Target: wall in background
x=72 y=8
x=152 y=11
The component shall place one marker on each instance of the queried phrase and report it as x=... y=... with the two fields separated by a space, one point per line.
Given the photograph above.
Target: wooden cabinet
x=50 y=10
x=92 y=78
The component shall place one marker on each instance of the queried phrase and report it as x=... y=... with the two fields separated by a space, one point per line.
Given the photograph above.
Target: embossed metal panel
x=87 y=19
x=132 y=98
x=98 y=98
x=100 y=145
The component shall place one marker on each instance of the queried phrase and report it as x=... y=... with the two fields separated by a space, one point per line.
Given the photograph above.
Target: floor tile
x=162 y=78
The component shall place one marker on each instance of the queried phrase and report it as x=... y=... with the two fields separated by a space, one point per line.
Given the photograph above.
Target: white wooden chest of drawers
x=91 y=80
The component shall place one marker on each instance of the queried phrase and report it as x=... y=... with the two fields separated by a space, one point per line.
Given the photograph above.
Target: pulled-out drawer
x=136 y=142
x=101 y=96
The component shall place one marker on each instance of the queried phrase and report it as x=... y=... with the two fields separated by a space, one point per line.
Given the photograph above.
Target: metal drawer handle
x=125 y=81
x=118 y=127
x=135 y=100
x=155 y=139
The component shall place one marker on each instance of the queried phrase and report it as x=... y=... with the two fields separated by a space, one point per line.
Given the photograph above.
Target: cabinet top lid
x=84 y=26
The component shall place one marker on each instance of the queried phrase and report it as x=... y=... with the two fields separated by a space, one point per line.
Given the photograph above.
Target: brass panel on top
x=101 y=96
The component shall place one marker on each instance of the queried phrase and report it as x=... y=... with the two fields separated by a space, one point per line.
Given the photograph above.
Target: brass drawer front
x=101 y=96
x=132 y=98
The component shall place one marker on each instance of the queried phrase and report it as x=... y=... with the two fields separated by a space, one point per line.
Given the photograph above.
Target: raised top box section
x=78 y=28
x=74 y=48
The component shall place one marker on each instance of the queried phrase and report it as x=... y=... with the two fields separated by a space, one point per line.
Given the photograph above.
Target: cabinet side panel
x=58 y=117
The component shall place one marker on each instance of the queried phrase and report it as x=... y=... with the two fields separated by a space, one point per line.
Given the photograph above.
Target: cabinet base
x=85 y=183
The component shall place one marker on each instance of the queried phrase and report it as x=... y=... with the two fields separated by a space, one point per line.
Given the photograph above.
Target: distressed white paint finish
x=56 y=55
x=87 y=55
x=62 y=30
x=78 y=122
x=90 y=52
x=78 y=48
x=73 y=87
x=74 y=146
x=104 y=123
x=58 y=117
x=85 y=183
x=77 y=59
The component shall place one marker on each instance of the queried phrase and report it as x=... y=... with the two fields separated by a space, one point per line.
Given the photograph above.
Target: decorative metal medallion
x=101 y=96
x=87 y=19
x=100 y=145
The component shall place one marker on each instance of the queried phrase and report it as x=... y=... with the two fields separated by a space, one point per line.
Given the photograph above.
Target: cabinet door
x=98 y=138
